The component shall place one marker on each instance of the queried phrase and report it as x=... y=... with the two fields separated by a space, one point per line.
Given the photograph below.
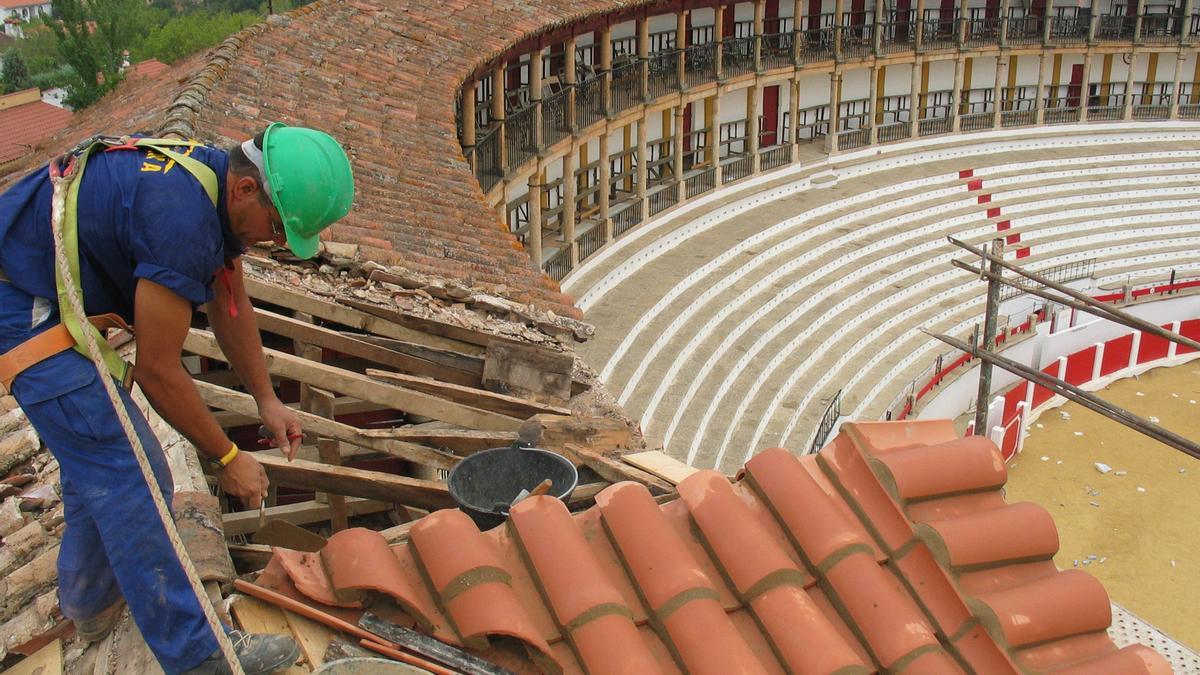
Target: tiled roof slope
x=23 y=126
x=382 y=76
x=892 y=550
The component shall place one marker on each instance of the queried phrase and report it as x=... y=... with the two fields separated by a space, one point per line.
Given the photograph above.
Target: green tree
x=14 y=75
x=189 y=33
x=94 y=37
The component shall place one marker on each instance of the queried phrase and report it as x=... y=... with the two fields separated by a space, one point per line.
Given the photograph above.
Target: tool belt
x=47 y=344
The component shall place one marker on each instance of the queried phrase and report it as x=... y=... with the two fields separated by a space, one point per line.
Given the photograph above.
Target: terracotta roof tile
x=24 y=126
x=812 y=564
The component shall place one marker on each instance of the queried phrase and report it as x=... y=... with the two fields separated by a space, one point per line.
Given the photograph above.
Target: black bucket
x=485 y=483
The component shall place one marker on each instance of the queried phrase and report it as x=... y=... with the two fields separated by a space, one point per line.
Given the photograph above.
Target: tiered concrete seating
x=736 y=321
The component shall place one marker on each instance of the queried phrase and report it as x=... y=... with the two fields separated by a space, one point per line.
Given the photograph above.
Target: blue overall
x=140 y=216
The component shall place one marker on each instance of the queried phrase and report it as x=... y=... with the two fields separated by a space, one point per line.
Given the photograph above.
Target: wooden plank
x=244 y=404
x=312 y=637
x=477 y=398
x=347 y=316
x=252 y=557
x=321 y=403
x=348 y=344
x=353 y=482
x=303 y=513
x=46 y=661
x=423 y=326
x=360 y=386
x=448 y=359
x=256 y=616
x=344 y=405
x=660 y=464
x=460 y=441
x=612 y=469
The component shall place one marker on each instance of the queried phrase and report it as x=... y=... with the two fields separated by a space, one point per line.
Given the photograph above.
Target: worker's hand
x=284 y=425
x=245 y=479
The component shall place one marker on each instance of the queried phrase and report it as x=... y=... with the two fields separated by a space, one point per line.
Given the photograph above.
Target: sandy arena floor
x=1141 y=519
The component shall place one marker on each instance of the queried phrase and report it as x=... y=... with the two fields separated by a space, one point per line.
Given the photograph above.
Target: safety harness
x=70 y=332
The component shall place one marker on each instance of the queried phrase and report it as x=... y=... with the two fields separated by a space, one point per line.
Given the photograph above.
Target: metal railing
x=1105 y=113
x=858 y=41
x=939 y=34
x=854 y=138
x=487 y=159
x=736 y=170
x=1157 y=111
x=698 y=184
x=1189 y=111
x=554 y=117
x=737 y=56
x=1060 y=115
x=775 y=156
x=664 y=74
x=518 y=136
x=816 y=45
x=558 y=266
x=982 y=31
x=591 y=241
x=897 y=131
x=1111 y=28
x=1069 y=30
x=663 y=199
x=828 y=420
x=897 y=35
x=700 y=64
x=626 y=87
x=1064 y=273
x=1024 y=30
x=933 y=126
x=1017 y=118
x=976 y=121
x=627 y=217
x=1160 y=27
x=776 y=50
x=589 y=102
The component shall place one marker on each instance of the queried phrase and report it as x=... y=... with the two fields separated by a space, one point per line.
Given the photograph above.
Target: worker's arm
x=240 y=342
x=162 y=319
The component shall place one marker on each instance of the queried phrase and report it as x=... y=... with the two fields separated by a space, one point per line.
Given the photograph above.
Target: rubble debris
x=1102 y=467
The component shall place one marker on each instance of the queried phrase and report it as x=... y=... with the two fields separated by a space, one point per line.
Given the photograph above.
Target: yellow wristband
x=229 y=456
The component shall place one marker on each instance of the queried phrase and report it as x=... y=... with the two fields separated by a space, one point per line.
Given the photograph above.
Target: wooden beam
x=344 y=405
x=360 y=386
x=455 y=360
x=321 y=403
x=430 y=326
x=459 y=441
x=660 y=464
x=304 y=513
x=612 y=469
x=344 y=480
x=244 y=404
x=511 y=406
x=339 y=313
x=347 y=344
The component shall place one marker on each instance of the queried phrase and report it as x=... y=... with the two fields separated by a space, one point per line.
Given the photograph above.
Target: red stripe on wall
x=1116 y=355
x=994 y=212
x=1015 y=238
x=1003 y=225
x=966 y=173
x=1022 y=252
x=983 y=199
x=1079 y=366
x=975 y=185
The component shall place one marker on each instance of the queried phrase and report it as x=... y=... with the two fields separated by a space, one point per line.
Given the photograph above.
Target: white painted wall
x=897 y=80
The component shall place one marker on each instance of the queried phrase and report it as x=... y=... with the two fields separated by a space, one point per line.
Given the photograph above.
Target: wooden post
x=794 y=113
x=835 y=111
x=920 y=37
x=606 y=69
x=498 y=114
x=1003 y=27
x=989 y=343
x=1084 y=90
x=718 y=39
x=643 y=50
x=1137 y=25
x=714 y=135
x=914 y=98
x=753 y=99
x=681 y=37
x=797 y=29
x=998 y=90
x=605 y=186
x=960 y=62
x=321 y=403
x=535 y=216
x=535 y=97
x=1039 y=103
x=677 y=151
x=759 y=10
x=1128 y=112
x=1175 y=82
x=838 y=11
x=569 y=75
x=964 y=11
x=642 y=157
x=873 y=89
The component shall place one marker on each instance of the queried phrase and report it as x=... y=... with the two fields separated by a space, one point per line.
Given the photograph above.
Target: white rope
x=58 y=211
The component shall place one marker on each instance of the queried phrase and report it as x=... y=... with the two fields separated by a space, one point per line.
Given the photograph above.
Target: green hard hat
x=311 y=183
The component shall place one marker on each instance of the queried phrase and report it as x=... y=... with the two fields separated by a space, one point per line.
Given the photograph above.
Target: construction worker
x=160 y=228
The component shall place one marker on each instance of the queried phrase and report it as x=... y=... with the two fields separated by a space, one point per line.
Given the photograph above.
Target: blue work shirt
x=140 y=216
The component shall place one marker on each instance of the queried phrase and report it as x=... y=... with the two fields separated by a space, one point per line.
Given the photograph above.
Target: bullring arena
x=751 y=204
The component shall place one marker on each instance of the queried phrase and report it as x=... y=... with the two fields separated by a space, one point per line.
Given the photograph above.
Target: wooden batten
x=297 y=368
x=485 y=400
x=352 y=482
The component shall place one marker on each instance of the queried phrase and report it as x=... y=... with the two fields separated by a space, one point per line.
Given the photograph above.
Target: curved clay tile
x=1071 y=651
x=1065 y=604
x=765 y=578
x=847 y=466
x=937 y=593
x=1018 y=532
x=982 y=654
x=472 y=585
x=684 y=601
x=962 y=465
x=1134 y=659
x=307 y=573
x=817 y=526
x=941 y=508
x=359 y=560
x=588 y=608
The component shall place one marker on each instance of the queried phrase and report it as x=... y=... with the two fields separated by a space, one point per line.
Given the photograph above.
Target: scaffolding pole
x=989 y=333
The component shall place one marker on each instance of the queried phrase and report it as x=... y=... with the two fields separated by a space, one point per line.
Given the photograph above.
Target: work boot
x=259 y=654
x=93 y=629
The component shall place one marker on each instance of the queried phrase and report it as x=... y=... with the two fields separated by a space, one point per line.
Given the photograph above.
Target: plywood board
x=45 y=661
x=660 y=464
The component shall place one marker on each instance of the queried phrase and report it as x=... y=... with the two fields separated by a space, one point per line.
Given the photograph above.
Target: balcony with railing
x=700 y=64
x=933 y=126
x=778 y=44
x=1151 y=106
x=854 y=138
x=1024 y=30
x=662 y=199
x=519 y=141
x=626 y=86
x=664 y=73
x=487 y=158
x=816 y=44
x=589 y=101
x=737 y=56
x=1160 y=27
x=1061 y=110
x=895 y=131
x=858 y=40
x=898 y=31
x=775 y=156
x=736 y=168
x=1018 y=113
x=939 y=30
x=1112 y=28
x=703 y=180
x=1067 y=31
x=812 y=123
x=977 y=121
x=555 y=119
x=982 y=31
x=1106 y=108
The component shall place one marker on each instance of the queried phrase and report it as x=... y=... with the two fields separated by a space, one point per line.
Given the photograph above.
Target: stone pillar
x=1137 y=24
x=1188 y=8
x=1039 y=103
x=643 y=49
x=468 y=122
x=794 y=112
x=681 y=37
x=535 y=97
x=914 y=99
x=835 y=111
x=753 y=100
x=1128 y=113
x=1176 y=81
x=714 y=136
x=964 y=12
x=718 y=36
x=797 y=28
x=960 y=63
x=605 y=187
x=759 y=12
x=568 y=209
x=919 y=40
x=1003 y=26
x=569 y=67
x=642 y=158
x=1087 y=78
x=606 y=69
x=838 y=11
x=677 y=150
x=498 y=114
x=998 y=90
x=535 y=215
x=872 y=114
